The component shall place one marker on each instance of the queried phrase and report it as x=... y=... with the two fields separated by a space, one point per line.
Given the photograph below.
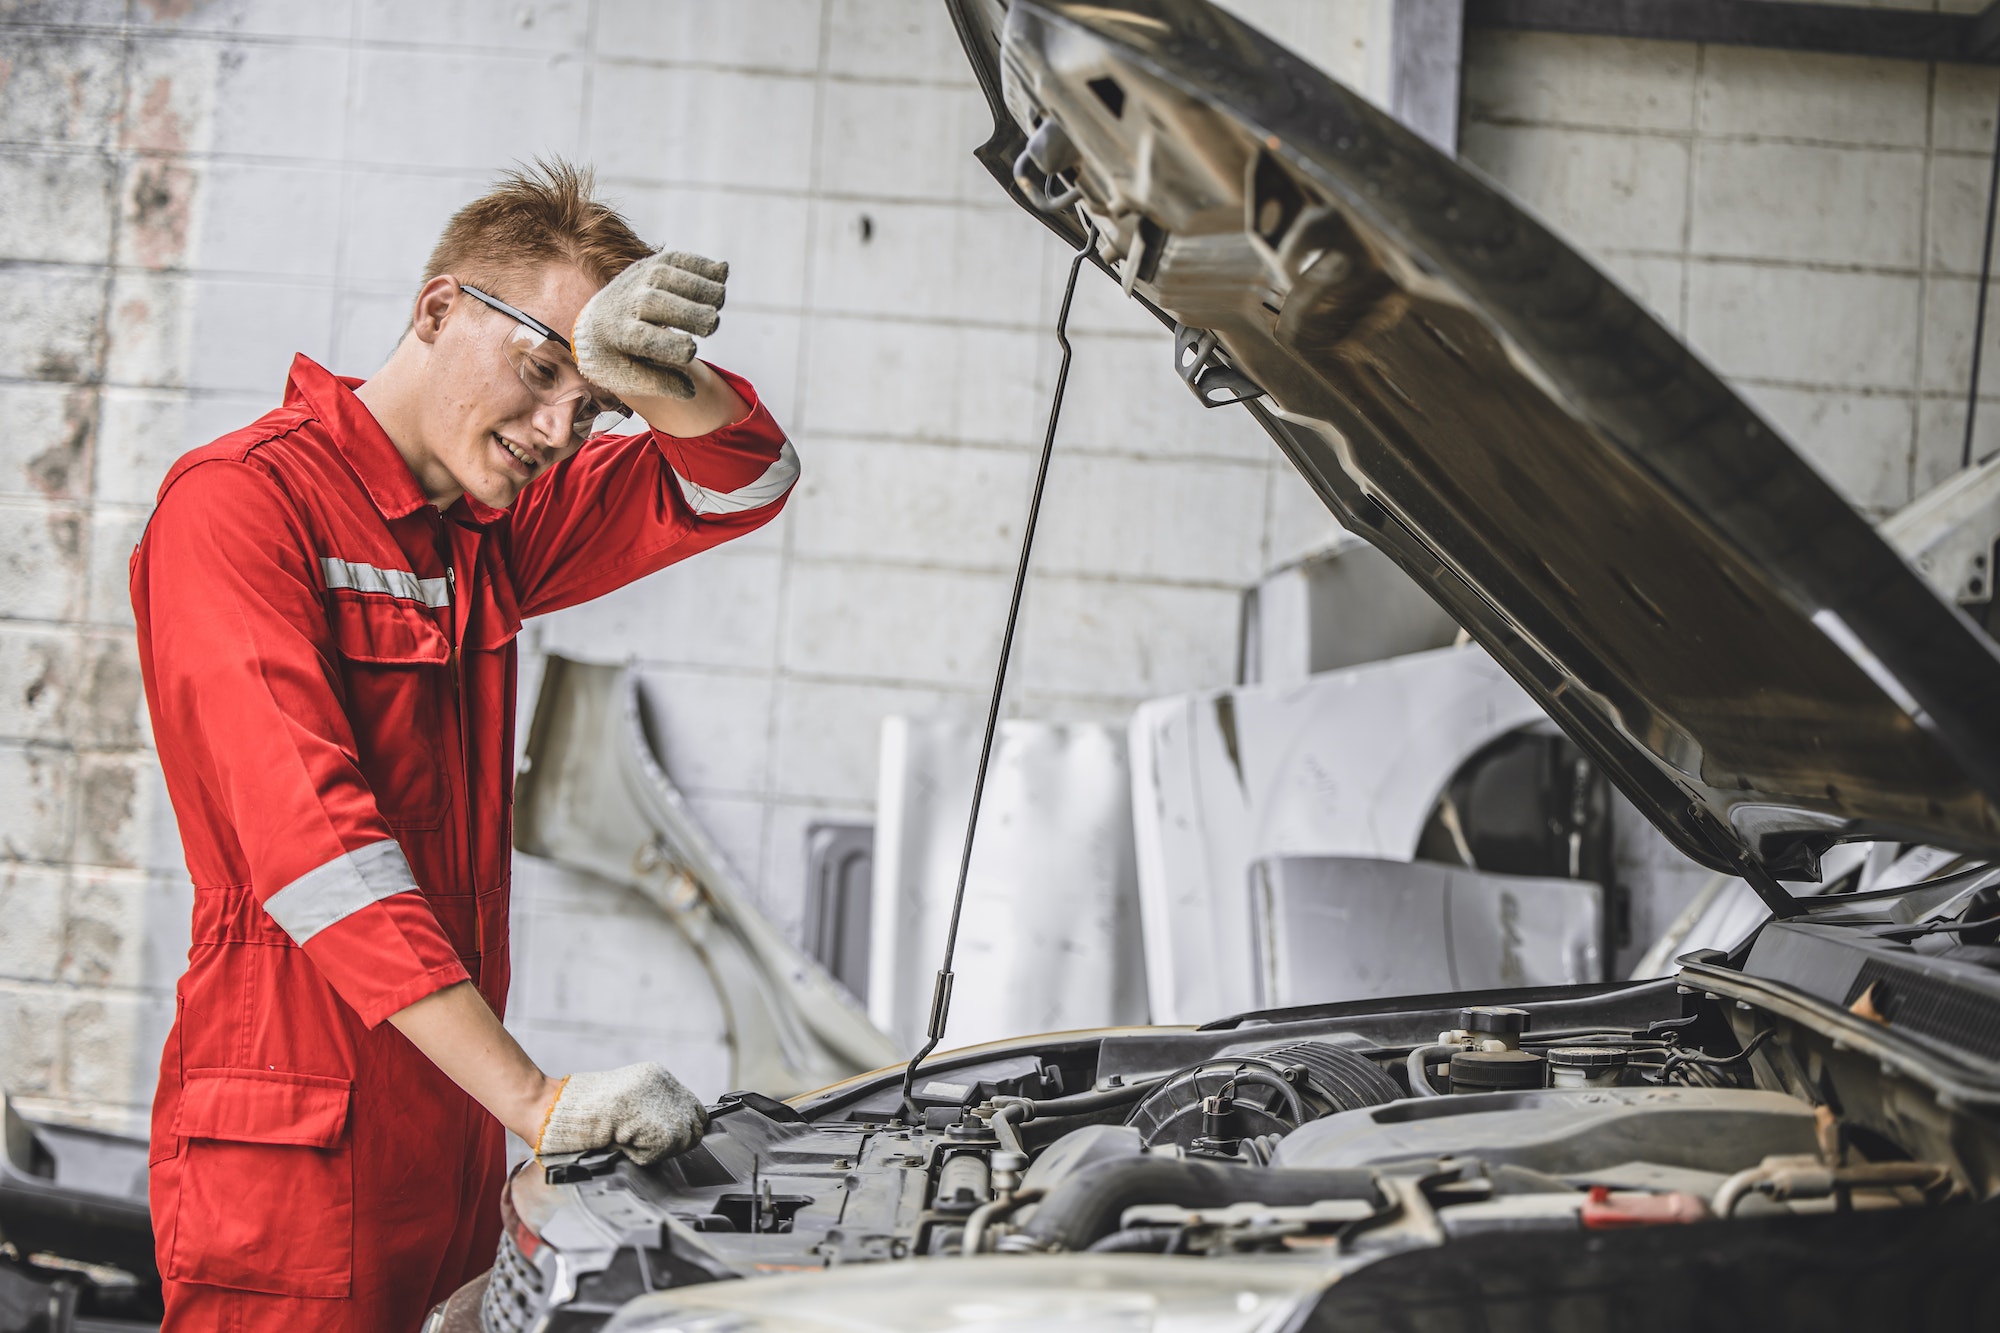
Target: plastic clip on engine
x=1213 y=381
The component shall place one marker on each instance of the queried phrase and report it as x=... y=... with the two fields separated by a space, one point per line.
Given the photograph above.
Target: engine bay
x=1342 y=1136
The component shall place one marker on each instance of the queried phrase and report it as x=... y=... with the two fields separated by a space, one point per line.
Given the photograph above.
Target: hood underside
x=1754 y=666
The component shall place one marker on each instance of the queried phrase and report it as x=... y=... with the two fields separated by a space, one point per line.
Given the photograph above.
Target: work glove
x=632 y=338
x=641 y=1109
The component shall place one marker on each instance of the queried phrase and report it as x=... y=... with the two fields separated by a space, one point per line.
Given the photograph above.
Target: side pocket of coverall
x=266 y=1183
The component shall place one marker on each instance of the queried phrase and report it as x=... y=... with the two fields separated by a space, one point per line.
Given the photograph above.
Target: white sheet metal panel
x=1334 y=928
x=1050 y=937
x=1348 y=763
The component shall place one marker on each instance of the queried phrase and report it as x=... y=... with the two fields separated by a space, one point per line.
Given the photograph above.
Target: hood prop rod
x=941 y=993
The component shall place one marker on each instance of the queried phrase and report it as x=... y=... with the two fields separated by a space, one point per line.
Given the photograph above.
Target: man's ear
x=434 y=302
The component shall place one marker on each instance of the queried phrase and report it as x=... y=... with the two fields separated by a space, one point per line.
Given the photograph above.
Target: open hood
x=1749 y=660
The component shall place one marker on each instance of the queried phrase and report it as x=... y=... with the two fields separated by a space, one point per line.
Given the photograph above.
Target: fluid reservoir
x=1495 y=1071
x=1587 y=1066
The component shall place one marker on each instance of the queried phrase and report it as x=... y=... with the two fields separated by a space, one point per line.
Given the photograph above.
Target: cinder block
x=1950 y=310
x=1153 y=519
x=1963 y=98
x=886 y=624
x=263 y=18
x=1799 y=202
x=305 y=88
x=1655 y=282
x=719 y=610
x=63 y=87
x=1127 y=639
x=1345 y=40
x=1623 y=191
x=918 y=503
x=761 y=235
x=58 y=206
x=937 y=261
x=445 y=109
x=904 y=141
x=46 y=437
x=113 y=813
x=1558 y=79
x=540 y=27
x=829 y=734
x=245 y=333
x=173 y=83
x=1757 y=93
x=31 y=903
x=1957 y=209
x=1862 y=444
x=1841 y=330
x=271 y=220
x=399 y=215
x=37 y=786
x=699 y=1059
x=769 y=35
x=1124 y=397
x=1941 y=439
x=160 y=207
x=139 y=435
x=701 y=127
x=29 y=1061
x=889 y=39
x=111 y=1046
x=124 y=931
x=895 y=380
x=38 y=673
x=712 y=728
x=42 y=560
x=104 y=701
x=366 y=328
x=151 y=321
x=50 y=323
x=763 y=347
x=113 y=535
x=623 y=965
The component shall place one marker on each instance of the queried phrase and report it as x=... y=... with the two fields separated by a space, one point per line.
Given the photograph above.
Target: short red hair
x=533 y=217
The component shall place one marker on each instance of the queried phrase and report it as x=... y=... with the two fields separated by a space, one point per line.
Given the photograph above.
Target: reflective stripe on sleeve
x=340 y=888
x=777 y=479
x=396 y=582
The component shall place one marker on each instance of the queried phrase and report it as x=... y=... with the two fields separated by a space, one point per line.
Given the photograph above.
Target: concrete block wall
x=193 y=190
x=1810 y=223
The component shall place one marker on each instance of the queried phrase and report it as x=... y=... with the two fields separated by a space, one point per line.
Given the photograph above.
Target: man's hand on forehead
x=636 y=337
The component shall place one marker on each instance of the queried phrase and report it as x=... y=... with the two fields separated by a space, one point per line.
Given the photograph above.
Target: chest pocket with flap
x=396 y=662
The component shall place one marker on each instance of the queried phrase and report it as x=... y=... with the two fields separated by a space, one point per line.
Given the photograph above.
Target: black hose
x=1137 y=1240
x=1086 y=1207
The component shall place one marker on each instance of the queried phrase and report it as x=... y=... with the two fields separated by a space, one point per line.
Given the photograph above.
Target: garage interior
x=196 y=190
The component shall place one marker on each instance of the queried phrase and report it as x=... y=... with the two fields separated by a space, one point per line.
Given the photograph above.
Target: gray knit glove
x=641 y=1108
x=632 y=338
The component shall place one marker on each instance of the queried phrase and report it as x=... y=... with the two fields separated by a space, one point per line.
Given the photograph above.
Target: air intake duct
x=1214 y=1106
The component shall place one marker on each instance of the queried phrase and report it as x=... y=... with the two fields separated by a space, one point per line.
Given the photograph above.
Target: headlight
x=1127 y=1293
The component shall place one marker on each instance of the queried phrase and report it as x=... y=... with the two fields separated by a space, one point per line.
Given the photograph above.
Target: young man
x=327 y=603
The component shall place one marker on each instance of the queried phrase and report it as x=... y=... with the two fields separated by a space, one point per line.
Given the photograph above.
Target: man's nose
x=552 y=423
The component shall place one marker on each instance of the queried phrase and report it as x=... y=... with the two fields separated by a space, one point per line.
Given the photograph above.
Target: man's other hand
x=633 y=338
x=641 y=1109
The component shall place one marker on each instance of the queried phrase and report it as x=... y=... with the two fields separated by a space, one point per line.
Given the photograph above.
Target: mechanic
x=327 y=603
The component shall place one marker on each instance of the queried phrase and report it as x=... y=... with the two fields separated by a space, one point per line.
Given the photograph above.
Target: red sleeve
x=624 y=506
x=246 y=698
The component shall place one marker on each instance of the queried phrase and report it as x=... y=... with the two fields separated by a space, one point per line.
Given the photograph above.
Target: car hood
x=1756 y=668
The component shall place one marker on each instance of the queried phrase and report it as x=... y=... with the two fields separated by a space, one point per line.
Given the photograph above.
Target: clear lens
x=552 y=377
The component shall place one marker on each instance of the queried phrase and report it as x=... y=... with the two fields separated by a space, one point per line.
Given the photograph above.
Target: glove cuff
x=549 y=1115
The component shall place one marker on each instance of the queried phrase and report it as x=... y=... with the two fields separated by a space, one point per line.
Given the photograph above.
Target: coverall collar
x=373 y=455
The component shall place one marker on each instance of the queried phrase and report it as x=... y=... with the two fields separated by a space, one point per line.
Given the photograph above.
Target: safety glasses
x=546 y=364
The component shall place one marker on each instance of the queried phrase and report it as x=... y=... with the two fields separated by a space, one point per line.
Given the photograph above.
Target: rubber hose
x=1420 y=1079
x=1086 y=1207
x=1136 y=1240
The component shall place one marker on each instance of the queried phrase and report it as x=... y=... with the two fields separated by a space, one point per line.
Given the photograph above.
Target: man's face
x=485 y=434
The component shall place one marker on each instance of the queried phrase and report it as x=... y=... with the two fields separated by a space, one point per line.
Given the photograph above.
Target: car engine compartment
x=1343 y=1136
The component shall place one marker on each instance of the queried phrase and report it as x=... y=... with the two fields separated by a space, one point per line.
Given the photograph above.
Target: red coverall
x=329 y=663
